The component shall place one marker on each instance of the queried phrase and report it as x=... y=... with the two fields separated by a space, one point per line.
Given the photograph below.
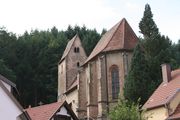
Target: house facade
x=96 y=85
x=10 y=108
x=164 y=104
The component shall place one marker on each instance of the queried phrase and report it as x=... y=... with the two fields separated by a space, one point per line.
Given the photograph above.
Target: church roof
x=119 y=37
x=68 y=47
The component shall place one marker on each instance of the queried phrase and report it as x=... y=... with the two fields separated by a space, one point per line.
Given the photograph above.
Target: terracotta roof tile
x=44 y=112
x=176 y=114
x=120 y=36
x=164 y=93
x=68 y=47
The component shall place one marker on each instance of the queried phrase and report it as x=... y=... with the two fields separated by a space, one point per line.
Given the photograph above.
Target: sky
x=19 y=16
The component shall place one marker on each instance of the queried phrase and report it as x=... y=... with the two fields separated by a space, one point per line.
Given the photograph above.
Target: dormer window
x=76 y=49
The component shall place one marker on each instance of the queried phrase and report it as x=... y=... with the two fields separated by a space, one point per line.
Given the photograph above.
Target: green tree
x=137 y=83
x=156 y=47
x=126 y=110
x=5 y=71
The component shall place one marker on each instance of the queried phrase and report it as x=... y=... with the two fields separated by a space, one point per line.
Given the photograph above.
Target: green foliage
x=126 y=111
x=5 y=71
x=157 y=48
x=147 y=24
x=152 y=51
x=138 y=83
x=31 y=60
x=175 y=51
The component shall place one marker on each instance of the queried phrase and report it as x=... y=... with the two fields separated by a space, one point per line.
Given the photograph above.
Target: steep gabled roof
x=165 y=92
x=119 y=37
x=46 y=112
x=68 y=47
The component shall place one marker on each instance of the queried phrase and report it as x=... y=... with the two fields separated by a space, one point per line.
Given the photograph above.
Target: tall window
x=115 y=82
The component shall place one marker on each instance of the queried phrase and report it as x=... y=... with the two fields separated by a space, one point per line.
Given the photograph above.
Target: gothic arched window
x=115 y=82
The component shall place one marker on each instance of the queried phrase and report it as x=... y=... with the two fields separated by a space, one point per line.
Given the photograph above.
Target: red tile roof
x=68 y=47
x=119 y=37
x=176 y=114
x=44 y=112
x=165 y=92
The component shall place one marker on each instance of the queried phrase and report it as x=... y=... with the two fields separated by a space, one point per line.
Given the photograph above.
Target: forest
x=31 y=60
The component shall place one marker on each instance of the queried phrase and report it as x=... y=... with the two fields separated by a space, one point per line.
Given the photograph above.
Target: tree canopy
x=31 y=60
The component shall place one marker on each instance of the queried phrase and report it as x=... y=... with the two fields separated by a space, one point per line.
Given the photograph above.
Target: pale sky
x=20 y=15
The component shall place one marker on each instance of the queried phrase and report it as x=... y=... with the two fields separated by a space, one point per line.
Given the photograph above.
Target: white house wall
x=7 y=86
x=8 y=109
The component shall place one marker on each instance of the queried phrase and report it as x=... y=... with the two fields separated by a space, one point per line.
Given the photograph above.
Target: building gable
x=119 y=37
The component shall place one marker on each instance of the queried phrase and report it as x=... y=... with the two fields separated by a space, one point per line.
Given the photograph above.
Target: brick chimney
x=166 y=72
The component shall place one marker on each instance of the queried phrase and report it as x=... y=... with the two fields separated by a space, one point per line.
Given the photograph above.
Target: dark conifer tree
x=156 y=46
x=137 y=83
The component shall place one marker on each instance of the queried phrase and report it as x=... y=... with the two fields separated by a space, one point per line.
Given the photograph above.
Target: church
x=92 y=84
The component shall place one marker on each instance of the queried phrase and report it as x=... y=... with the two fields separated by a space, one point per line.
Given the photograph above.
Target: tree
x=5 y=71
x=126 y=110
x=147 y=24
x=156 y=47
x=137 y=83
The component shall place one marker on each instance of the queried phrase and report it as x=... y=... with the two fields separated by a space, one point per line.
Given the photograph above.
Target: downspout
x=107 y=95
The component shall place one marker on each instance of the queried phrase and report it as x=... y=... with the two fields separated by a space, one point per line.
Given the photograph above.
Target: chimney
x=166 y=72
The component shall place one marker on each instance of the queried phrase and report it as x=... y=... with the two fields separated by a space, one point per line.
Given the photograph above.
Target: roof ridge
x=113 y=33
x=124 y=20
x=66 y=51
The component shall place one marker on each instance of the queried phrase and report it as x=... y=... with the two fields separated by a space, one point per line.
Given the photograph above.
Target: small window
x=77 y=49
x=61 y=68
x=78 y=64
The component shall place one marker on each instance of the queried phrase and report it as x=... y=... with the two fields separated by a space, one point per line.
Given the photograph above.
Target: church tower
x=73 y=57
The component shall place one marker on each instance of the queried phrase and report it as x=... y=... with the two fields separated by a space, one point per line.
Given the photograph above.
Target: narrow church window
x=75 y=49
x=115 y=82
x=78 y=64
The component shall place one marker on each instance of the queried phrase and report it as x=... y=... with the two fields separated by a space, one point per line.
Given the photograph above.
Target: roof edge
x=11 y=97
x=63 y=56
x=4 y=79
